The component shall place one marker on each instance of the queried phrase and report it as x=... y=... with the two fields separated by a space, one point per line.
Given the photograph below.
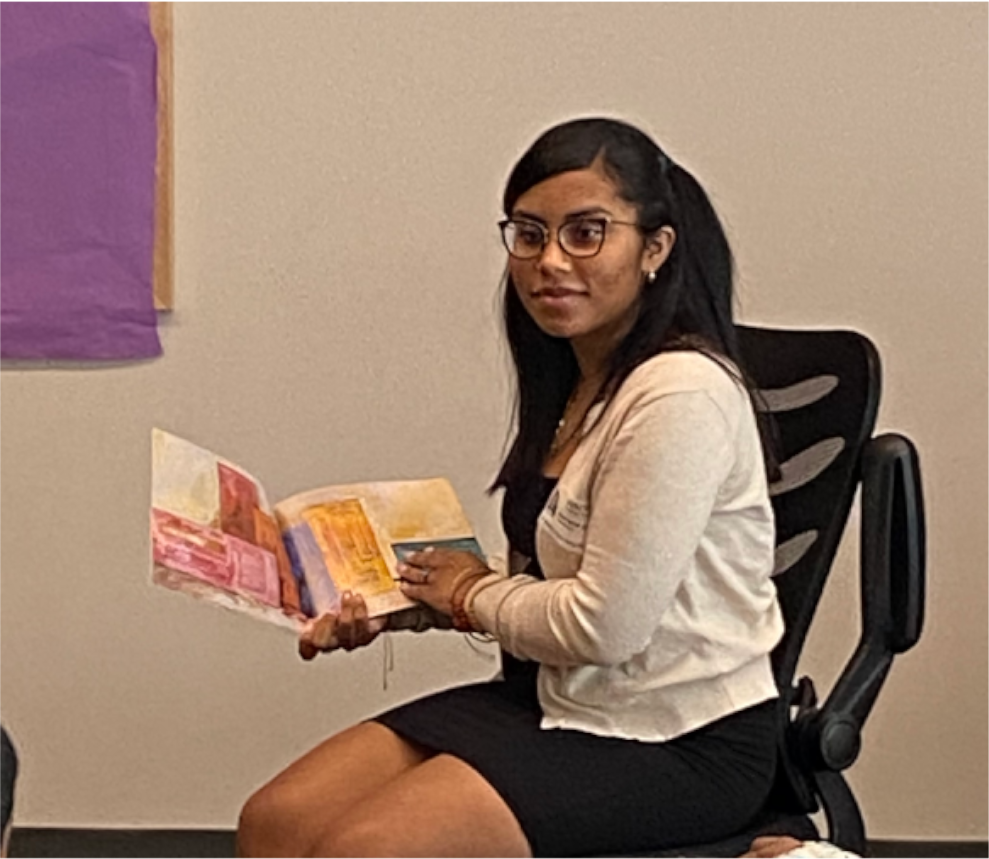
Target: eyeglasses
x=580 y=238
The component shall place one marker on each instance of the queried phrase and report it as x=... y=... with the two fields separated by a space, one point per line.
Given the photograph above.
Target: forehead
x=571 y=192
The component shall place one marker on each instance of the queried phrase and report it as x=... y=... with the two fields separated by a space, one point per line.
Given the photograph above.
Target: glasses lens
x=522 y=239
x=582 y=238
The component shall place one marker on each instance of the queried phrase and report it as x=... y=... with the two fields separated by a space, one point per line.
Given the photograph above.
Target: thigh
x=441 y=807
x=349 y=763
x=297 y=807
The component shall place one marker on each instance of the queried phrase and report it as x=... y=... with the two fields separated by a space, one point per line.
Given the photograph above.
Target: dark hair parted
x=687 y=306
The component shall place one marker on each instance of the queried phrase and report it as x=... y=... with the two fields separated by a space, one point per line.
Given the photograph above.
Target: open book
x=214 y=536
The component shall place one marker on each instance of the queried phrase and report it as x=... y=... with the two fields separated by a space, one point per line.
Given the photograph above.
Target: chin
x=564 y=329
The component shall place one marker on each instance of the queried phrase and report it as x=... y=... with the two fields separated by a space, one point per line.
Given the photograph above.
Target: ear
x=658 y=249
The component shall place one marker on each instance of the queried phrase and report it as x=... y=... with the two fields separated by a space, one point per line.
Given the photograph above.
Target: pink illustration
x=190 y=548
x=255 y=572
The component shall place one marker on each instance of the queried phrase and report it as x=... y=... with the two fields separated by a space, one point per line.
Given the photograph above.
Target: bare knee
x=362 y=839
x=260 y=807
x=267 y=825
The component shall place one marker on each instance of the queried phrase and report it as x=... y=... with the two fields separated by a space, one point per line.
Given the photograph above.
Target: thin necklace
x=560 y=438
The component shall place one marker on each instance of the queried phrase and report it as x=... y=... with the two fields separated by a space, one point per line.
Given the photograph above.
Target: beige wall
x=338 y=175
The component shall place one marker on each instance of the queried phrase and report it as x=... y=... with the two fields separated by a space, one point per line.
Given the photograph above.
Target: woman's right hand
x=349 y=629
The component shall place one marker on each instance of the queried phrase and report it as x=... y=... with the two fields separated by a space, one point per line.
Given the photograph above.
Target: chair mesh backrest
x=822 y=389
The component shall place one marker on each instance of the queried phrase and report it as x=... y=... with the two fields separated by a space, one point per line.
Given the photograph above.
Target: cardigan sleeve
x=650 y=503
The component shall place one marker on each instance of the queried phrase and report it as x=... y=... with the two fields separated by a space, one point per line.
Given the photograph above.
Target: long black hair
x=687 y=306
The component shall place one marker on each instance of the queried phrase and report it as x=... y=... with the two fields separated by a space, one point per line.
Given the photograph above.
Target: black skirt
x=577 y=794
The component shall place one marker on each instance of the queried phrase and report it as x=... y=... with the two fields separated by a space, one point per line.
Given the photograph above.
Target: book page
x=213 y=534
x=356 y=534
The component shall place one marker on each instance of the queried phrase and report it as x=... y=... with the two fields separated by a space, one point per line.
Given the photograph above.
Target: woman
x=636 y=710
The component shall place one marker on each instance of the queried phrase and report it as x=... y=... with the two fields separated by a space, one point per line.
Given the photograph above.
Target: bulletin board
x=86 y=253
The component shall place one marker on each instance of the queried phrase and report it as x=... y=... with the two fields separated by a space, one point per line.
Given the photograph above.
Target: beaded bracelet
x=461 y=620
x=470 y=598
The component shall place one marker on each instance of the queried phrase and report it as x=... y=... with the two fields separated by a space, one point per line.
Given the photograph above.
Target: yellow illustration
x=347 y=541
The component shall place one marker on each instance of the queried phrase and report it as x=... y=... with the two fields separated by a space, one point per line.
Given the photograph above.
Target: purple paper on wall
x=77 y=181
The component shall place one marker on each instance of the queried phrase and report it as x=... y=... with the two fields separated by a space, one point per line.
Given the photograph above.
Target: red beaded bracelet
x=461 y=619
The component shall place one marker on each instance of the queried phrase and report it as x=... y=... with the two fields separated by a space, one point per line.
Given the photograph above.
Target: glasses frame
x=554 y=235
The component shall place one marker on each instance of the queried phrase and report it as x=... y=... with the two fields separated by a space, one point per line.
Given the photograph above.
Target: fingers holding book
x=434 y=576
x=349 y=629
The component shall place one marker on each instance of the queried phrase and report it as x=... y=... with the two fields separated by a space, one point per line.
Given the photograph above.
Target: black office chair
x=822 y=390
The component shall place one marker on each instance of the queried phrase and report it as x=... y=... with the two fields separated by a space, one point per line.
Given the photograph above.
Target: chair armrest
x=892 y=563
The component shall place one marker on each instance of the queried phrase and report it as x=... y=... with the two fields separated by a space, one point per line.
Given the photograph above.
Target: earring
x=651 y=277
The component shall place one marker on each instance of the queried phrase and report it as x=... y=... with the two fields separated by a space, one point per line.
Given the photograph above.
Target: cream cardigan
x=658 y=613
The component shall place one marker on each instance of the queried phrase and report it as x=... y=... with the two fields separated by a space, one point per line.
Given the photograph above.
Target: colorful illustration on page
x=459 y=544
x=213 y=534
x=348 y=542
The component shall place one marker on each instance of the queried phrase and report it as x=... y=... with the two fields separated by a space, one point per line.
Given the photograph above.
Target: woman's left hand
x=433 y=575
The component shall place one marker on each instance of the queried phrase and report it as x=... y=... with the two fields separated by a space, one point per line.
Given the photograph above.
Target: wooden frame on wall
x=164 y=253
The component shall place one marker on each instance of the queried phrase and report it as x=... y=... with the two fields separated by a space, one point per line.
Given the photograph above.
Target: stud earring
x=651 y=277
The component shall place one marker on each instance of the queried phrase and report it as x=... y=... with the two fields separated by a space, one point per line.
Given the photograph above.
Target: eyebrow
x=570 y=216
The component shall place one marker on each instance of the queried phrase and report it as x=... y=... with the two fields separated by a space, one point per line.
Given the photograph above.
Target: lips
x=556 y=292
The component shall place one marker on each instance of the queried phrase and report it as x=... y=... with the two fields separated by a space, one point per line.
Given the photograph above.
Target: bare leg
x=298 y=807
x=441 y=807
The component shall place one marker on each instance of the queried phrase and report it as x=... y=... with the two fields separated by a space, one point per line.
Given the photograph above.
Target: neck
x=593 y=354
x=593 y=351
x=589 y=382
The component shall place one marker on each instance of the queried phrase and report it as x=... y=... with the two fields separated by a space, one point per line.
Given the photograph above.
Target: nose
x=553 y=257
